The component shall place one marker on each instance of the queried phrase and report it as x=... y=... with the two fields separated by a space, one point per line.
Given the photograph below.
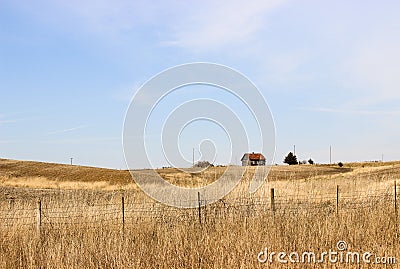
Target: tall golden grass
x=82 y=228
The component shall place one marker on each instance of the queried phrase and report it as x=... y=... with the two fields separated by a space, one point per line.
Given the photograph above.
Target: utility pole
x=71 y=160
x=382 y=157
x=330 y=154
x=294 y=149
x=193 y=158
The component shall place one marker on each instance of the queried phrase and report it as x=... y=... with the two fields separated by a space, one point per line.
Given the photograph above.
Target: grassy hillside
x=60 y=176
x=50 y=175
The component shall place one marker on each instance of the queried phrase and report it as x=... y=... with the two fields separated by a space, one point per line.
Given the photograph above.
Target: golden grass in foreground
x=227 y=238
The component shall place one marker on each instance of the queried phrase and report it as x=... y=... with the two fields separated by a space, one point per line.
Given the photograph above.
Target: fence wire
x=18 y=212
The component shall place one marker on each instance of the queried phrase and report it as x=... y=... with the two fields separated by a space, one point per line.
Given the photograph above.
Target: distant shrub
x=340 y=164
x=203 y=164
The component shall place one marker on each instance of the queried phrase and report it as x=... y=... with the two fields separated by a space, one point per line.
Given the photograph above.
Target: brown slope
x=61 y=172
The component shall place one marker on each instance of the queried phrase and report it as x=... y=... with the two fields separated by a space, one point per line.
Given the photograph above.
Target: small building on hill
x=253 y=159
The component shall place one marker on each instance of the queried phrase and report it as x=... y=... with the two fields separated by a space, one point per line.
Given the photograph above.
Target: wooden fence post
x=395 y=200
x=337 y=200
x=273 y=200
x=38 y=216
x=123 y=211
x=199 y=201
x=205 y=211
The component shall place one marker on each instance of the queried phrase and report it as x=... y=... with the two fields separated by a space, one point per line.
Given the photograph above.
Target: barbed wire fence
x=120 y=212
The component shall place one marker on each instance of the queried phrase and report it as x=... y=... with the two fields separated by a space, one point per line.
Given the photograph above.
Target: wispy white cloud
x=85 y=140
x=126 y=93
x=370 y=66
x=214 y=24
x=111 y=16
x=66 y=130
x=192 y=25
x=12 y=141
x=5 y=119
x=353 y=111
x=374 y=69
x=106 y=18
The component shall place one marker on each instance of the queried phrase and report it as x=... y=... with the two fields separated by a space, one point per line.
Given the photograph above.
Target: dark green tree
x=290 y=159
x=340 y=164
x=310 y=161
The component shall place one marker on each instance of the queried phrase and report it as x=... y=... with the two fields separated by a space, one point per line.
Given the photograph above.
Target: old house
x=253 y=159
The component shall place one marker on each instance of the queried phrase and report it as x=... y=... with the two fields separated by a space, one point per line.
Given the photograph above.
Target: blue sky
x=330 y=71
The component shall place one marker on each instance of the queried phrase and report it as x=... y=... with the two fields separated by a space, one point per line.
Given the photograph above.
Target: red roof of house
x=255 y=156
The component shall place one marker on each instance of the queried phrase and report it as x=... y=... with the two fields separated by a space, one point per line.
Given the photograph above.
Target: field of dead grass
x=81 y=226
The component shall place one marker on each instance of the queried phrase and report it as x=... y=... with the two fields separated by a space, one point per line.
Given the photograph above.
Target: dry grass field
x=82 y=224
